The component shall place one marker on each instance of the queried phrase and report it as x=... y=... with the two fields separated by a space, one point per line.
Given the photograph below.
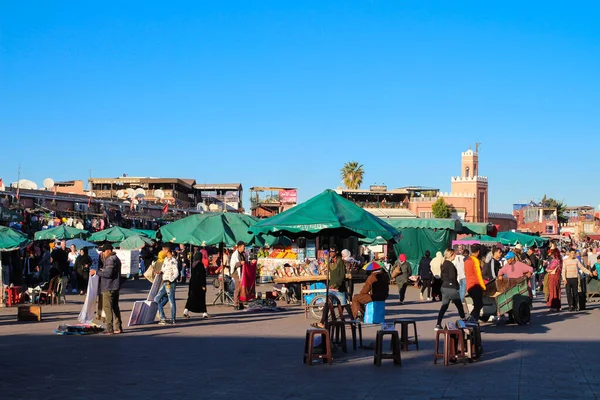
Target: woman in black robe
x=83 y=262
x=196 y=301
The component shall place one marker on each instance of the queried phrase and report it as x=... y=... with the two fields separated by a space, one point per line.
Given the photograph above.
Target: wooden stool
x=355 y=325
x=404 y=324
x=337 y=315
x=451 y=336
x=309 y=354
x=380 y=355
x=473 y=346
x=337 y=333
x=29 y=313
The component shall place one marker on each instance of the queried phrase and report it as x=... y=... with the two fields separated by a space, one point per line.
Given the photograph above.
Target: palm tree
x=352 y=175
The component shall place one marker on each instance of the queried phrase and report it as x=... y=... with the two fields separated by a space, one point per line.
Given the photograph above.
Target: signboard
x=288 y=196
x=378 y=188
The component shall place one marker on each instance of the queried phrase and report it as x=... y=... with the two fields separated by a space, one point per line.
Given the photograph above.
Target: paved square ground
x=241 y=355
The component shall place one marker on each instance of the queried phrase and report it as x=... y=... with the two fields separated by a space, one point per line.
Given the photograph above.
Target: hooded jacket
x=110 y=273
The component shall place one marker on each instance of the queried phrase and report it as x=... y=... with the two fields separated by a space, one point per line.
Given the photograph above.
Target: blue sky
x=284 y=92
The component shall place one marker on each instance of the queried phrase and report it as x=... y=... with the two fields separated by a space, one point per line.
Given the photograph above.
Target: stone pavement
x=239 y=355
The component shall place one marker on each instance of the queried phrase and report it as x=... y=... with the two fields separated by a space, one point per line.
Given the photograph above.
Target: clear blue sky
x=284 y=92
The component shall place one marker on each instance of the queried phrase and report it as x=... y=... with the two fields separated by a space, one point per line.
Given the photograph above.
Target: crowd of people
x=450 y=276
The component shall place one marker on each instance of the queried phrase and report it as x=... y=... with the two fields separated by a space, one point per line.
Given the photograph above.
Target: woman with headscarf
x=83 y=262
x=553 y=272
x=196 y=301
x=449 y=288
x=436 y=271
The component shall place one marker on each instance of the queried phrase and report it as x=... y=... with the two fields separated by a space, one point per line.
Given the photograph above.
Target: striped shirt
x=571 y=267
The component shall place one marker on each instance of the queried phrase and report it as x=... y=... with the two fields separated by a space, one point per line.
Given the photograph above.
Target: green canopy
x=373 y=241
x=489 y=239
x=134 y=242
x=421 y=234
x=61 y=232
x=11 y=239
x=477 y=228
x=114 y=234
x=210 y=229
x=522 y=238
x=148 y=232
x=428 y=223
x=327 y=212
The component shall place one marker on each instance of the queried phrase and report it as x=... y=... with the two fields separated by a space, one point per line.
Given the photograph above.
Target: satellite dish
x=130 y=192
x=201 y=207
x=120 y=194
x=48 y=183
x=26 y=184
x=159 y=194
x=126 y=202
x=140 y=196
x=140 y=192
x=136 y=202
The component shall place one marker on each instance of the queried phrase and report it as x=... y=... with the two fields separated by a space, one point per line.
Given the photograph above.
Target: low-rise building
x=269 y=201
x=219 y=197
x=536 y=218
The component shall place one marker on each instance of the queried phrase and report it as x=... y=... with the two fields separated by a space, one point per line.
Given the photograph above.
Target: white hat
x=518 y=246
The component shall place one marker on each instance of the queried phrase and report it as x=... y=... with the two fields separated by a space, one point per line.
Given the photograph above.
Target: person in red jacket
x=475 y=284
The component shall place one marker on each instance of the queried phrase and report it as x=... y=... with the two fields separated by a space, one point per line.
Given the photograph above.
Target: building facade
x=269 y=201
x=468 y=197
x=219 y=197
x=536 y=219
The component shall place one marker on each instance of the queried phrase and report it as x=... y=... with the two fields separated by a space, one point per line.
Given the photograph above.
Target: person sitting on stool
x=376 y=288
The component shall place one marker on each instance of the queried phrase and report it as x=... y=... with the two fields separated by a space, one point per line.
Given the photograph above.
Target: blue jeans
x=166 y=294
x=462 y=289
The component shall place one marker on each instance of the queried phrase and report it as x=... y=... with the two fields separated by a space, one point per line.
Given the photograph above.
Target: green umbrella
x=61 y=232
x=134 y=242
x=114 y=234
x=522 y=238
x=11 y=239
x=328 y=214
x=486 y=238
x=210 y=229
x=148 y=232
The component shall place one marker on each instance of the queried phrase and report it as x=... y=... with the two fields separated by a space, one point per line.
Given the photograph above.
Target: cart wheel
x=316 y=306
x=522 y=313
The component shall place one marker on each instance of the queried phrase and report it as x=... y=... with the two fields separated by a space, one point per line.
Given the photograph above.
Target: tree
x=560 y=206
x=352 y=175
x=441 y=209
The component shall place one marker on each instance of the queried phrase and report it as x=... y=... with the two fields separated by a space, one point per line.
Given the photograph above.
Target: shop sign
x=288 y=196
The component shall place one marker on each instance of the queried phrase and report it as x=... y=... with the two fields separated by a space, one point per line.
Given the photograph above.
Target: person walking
x=475 y=284
x=570 y=276
x=166 y=293
x=425 y=275
x=183 y=263
x=196 y=301
x=110 y=284
x=82 y=269
x=450 y=286
x=60 y=258
x=238 y=258
x=400 y=274
x=552 y=280
x=436 y=272
x=459 y=263
x=71 y=257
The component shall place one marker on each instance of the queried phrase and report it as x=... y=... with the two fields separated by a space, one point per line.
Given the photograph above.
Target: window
x=467 y=172
x=550 y=229
x=425 y=214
